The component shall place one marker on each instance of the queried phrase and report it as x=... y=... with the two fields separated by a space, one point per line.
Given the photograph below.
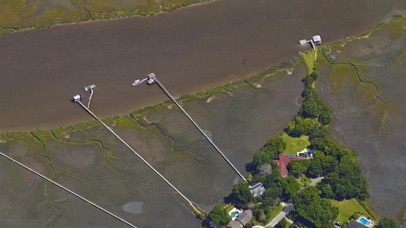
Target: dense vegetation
x=339 y=167
x=312 y=210
x=219 y=215
x=387 y=223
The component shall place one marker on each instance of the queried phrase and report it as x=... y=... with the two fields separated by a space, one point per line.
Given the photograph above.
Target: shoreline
x=113 y=52
x=183 y=97
x=206 y=87
x=90 y=20
x=193 y=94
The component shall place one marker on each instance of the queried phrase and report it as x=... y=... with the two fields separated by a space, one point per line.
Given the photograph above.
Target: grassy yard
x=228 y=207
x=273 y=213
x=347 y=208
x=295 y=145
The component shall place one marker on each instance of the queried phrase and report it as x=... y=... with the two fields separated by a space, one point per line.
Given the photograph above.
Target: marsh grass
x=19 y=14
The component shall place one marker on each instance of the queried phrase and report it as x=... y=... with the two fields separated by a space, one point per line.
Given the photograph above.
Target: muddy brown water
x=92 y=162
x=190 y=49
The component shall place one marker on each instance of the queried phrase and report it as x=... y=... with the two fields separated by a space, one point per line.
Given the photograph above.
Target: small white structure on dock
x=151 y=78
x=315 y=40
x=89 y=87
x=77 y=98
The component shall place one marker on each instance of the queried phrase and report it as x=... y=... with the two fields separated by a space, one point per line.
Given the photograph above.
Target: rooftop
x=283 y=163
x=257 y=189
x=244 y=217
x=354 y=224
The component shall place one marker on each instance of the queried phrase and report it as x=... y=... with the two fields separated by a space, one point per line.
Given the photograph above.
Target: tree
x=326 y=191
x=261 y=158
x=347 y=187
x=219 y=215
x=290 y=187
x=298 y=167
x=301 y=126
x=387 y=223
x=277 y=145
x=242 y=194
x=319 y=131
x=270 y=196
x=325 y=115
x=259 y=214
x=281 y=224
x=313 y=211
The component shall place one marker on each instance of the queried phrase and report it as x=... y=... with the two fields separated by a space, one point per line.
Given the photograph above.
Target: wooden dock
x=140 y=157
x=68 y=190
x=197 y=126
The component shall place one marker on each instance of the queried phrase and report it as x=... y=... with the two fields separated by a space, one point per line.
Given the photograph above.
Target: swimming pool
x=364 y=221
x=234 y=214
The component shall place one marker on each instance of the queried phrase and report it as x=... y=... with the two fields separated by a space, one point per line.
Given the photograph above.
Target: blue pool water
x=364 y=221
x=234 y=213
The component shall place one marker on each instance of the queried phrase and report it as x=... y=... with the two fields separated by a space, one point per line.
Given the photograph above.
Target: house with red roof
x=283 y=162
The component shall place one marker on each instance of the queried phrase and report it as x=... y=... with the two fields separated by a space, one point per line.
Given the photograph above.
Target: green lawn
x=295 y=145
x=274 y=212
x=309 y=58
x=228 y=207
x=347 y=208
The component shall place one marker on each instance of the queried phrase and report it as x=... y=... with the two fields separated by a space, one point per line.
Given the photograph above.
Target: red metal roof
x=283 y=163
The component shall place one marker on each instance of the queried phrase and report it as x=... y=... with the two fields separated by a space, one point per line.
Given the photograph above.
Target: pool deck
x=232 y=210
x=371 y=223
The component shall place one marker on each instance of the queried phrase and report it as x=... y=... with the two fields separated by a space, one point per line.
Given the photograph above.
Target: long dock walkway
x=68 y=190
x=197 y=126
x=139 y=156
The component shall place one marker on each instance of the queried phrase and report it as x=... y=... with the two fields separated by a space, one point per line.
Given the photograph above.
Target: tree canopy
x=242 y=194
x=387 y=223
x=219 y=215
x=313 y=211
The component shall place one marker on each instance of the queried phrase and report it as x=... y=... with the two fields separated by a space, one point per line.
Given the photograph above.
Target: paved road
x=316 y=180
x=286 y=210
x=277 y=219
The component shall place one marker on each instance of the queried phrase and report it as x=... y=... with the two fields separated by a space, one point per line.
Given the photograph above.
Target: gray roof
x=288 y=208
x=354 y=224
x=244 y=217
x=234 y=224
x=257 y=189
